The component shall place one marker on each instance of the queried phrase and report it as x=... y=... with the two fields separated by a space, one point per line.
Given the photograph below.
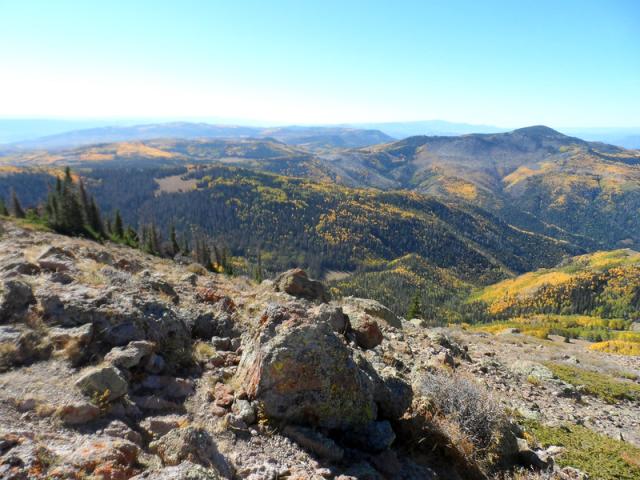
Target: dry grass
x=203 y=351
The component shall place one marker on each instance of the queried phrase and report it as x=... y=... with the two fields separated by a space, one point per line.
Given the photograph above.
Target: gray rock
x=100 y=379
x=15 y=298
x=193 y=444
x=296 y=282
x=528 y=368
x=184 y=471
x=119 y=429
x=245 y=410
x=332 y=315
x=314 y=442
x=55 y=259
x=155 y=364
x=156 y=427
x=221 y=343
x=77 y=413
x=62 y=336
x=129 y=356
x=375 y=437
x=17 y=265
x=385 y=317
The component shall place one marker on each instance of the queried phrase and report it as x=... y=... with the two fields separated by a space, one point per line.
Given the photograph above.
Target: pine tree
x=175 y=248
x=118 y=228
x=3 y=208
x=16 y=208
x=95 y=218
x=415 y=308
x=258 y=273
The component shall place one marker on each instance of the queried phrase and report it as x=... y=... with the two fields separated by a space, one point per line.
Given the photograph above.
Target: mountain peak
x=539 y=131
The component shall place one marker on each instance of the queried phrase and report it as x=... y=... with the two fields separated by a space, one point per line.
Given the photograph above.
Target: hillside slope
x=604 y=284
x=534 y=177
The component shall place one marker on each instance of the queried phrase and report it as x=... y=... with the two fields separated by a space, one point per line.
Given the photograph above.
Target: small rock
x=77 y=413
x=62 y=336
x=332 y=315
x=155 y=364
x=244 y=410
x=221 y=343
x=103 y=379
x=367 y=331
x=375 y=437
x=156 y=427
x=119 y=429
x=192 y=444
x=184 y=471
x=129 y=356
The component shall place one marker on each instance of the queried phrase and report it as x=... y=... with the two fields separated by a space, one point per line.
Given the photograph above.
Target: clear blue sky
x=507 y=63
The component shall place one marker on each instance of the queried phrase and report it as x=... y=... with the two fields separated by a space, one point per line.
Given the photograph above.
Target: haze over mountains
x=44 y=133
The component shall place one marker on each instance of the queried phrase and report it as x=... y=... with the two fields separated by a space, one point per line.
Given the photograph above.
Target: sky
x=507 y=63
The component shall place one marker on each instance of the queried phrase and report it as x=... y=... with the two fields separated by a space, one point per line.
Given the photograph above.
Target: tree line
x=71 y=210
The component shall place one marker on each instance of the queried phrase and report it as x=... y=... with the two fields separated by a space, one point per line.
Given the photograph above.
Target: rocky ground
x=508 y=362
x=116 y=365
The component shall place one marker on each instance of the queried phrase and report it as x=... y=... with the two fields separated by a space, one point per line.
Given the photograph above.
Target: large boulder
x=302 y=372
x=296 y=282
x=103 y=379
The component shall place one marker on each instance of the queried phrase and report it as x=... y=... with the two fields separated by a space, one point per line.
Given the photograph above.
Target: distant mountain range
x=310 y=137
x=535 y=178
x=55 y=134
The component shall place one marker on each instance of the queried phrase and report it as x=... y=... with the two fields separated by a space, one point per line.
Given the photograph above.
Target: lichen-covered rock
x=101 y=379
x=302 y=372
x=104 y=458
x=296 y=282
x=528 y=368
x=333 y=315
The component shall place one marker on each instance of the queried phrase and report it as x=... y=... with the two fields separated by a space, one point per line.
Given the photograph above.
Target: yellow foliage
x=619 y=347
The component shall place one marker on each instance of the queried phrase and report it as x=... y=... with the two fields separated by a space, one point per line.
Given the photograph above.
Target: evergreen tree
x=95 y=218
x=259 y=276
x=16 y=208
x=175 y=248
x=3 y=208
x=118 y=228
x=415 y=308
